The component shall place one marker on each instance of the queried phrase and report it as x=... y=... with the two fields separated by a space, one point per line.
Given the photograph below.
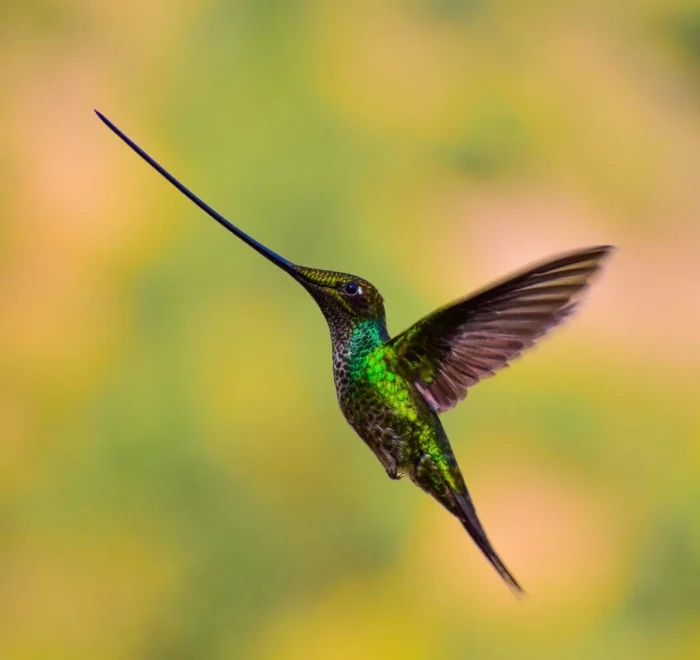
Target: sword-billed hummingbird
x=391 y=389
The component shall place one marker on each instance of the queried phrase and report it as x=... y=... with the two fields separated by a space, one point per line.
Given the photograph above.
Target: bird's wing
x=456 y=346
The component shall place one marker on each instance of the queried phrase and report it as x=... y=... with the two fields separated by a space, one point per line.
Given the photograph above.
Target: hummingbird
x=392 y=389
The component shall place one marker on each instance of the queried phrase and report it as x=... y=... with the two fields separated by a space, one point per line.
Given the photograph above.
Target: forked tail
x=468 y=518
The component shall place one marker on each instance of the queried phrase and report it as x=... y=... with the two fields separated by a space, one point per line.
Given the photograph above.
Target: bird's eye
x=352 y=288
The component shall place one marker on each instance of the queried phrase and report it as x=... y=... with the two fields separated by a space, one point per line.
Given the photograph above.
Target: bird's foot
x=394 y=474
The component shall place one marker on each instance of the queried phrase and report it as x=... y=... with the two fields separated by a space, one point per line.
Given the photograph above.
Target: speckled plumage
x=392 y=389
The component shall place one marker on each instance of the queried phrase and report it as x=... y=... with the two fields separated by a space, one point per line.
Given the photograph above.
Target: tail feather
x=468 y=518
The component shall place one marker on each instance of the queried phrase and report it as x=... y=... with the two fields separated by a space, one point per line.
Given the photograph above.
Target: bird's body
x=396 y=422
x=386 y=411
x=392 y=389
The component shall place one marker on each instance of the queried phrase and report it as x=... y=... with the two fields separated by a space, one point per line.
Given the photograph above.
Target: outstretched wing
x=456 y=346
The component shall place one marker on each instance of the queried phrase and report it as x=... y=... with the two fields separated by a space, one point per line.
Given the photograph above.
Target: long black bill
x=259 y=247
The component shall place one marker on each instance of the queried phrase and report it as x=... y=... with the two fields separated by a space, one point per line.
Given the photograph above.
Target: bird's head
x=341 y=295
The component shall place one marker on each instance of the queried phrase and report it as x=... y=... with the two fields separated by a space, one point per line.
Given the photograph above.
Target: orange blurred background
x=176 y=479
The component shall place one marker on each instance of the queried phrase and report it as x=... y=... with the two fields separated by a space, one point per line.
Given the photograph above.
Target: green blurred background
x=176 y=480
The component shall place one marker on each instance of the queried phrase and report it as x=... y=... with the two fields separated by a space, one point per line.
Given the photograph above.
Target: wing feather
x=454 y=348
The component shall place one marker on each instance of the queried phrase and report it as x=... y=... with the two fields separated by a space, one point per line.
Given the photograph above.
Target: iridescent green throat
x=365 y=337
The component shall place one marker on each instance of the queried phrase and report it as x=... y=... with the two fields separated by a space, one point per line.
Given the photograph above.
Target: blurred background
x=176 y=480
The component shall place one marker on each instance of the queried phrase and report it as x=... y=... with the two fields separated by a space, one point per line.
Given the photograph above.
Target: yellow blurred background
x=176 y=480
